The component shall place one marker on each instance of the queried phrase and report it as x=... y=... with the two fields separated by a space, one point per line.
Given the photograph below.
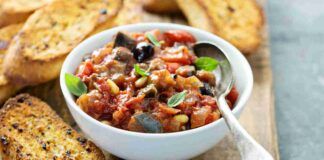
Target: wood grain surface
x=258 y=118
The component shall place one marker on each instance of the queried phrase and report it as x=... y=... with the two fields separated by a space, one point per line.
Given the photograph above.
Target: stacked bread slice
x=30 y=129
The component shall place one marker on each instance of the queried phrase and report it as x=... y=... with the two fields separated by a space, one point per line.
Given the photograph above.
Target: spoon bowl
x=224 y=72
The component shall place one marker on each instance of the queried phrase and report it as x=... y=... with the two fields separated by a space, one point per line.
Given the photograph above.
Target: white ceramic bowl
x=142 y=146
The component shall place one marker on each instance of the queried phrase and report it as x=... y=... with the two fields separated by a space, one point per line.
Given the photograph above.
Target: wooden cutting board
x=258 y=118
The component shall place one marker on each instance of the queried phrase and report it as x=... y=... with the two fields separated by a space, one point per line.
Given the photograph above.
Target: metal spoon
x=249 y=149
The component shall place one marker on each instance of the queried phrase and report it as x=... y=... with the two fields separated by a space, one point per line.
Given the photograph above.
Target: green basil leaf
x=75 y=85
x=177 y=99
x=149 y=124
x=206 y=63
x=153 y=39
x=140 y=71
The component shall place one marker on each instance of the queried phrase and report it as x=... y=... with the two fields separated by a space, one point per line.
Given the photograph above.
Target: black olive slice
x=143 y=51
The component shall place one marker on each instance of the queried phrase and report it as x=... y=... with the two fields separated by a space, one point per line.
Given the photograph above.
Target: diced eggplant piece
x=143 y=51
x=206 y=90
x=123 y=40
x=149 y=91
x=112 y=67
x=124 y=55
x=207 y=77
x=134 y=126
x=150 y=124
x=186 y=71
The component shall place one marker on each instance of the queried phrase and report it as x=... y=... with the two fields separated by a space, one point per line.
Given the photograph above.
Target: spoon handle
x=249 y=149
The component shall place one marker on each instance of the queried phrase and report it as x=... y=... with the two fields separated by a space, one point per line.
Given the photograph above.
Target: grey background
x=297 y=47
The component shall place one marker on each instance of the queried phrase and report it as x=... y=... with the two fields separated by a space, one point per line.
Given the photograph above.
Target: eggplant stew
x=148 y=82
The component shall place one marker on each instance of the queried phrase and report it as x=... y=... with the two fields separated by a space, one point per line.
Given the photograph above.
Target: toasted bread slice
x=54 y=30
x=24 y=72
x=17 y=11
x=49 y=34
x=30 y=129
x=161 y=6
x=238 y=21
x=109 y=20
x=6 y=35
x=133 y=12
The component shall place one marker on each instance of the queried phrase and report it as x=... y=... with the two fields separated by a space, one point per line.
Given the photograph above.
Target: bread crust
x=30 y=129
x=237 y=21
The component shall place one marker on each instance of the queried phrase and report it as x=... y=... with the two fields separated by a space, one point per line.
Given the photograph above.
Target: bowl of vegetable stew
x=139 y=91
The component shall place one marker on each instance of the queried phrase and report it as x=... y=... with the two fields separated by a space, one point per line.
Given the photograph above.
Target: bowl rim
x=244 y=96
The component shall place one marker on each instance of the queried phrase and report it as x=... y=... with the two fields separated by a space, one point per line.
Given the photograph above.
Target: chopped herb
x=176 y=99
x=153 y=39
x=149 y=124
x=206 y=63
x=75 y=85
x=140 y=71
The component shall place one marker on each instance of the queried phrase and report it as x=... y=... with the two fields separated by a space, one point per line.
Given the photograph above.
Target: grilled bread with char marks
x=30 y=129
x=49 y=34
x=237 y=21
